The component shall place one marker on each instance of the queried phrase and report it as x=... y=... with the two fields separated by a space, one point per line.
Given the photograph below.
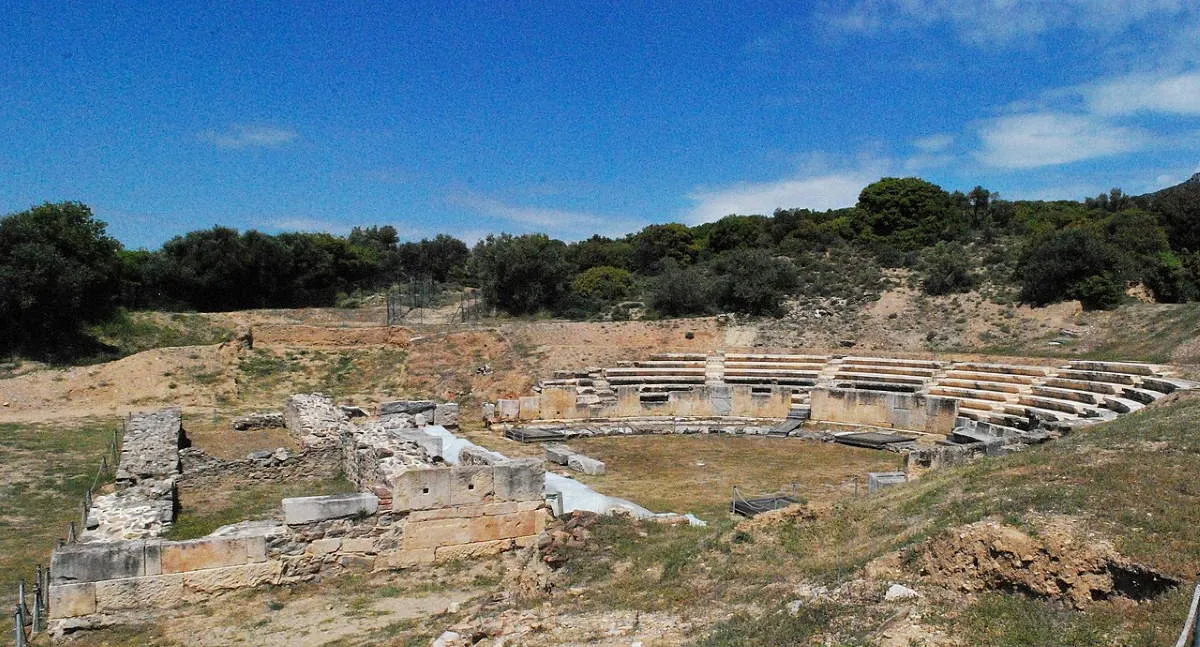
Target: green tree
x=603 y=283
x=752 y=281
x=907 y=214
x=656 y=243
x=681 y=290
x=1073 y=263
x=521 y=274
x=59 y=270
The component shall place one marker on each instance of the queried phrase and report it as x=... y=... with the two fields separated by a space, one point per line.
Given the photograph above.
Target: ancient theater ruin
x=921 y=404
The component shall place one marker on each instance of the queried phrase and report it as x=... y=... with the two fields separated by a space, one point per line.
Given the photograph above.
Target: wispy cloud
x=1175 y=94
x=563 y=223
x=989 y=22
x=934 y=143
x=818 y=191
x=242 y=136
x=1049 y=138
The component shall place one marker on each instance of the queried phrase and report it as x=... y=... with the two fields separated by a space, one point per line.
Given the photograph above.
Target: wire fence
x=31 y=613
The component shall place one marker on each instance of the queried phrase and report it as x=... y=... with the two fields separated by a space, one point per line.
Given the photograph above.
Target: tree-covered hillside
x=59 y=269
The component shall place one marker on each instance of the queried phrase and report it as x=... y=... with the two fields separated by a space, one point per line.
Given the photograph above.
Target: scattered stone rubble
x=260 y=420
x=563 y=455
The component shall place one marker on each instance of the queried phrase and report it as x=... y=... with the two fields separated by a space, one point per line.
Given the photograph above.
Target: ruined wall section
x=144 y=502
x=414 y=508
x=911 y=411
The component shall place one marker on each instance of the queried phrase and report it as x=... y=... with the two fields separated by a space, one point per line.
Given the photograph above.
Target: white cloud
x=1048 y=138
x=984 y=22
x=561 y=223
x=240 y=136
x=934 y=143
x=1177 y=94
x=818 y=192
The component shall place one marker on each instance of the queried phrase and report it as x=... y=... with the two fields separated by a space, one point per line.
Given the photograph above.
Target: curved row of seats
x=1009 y=396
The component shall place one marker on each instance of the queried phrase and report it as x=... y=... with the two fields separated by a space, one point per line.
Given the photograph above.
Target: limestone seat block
x=298 y=510
x=230 y=577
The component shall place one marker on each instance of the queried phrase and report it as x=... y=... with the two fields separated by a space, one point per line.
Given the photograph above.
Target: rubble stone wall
x=202 y=471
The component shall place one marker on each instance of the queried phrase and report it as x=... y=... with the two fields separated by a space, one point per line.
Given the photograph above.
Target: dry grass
x=664 y=473
x=215 y=435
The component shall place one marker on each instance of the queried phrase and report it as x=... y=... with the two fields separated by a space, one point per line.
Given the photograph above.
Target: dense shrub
x=946 y=268
x=603 y=283
x=752 y=281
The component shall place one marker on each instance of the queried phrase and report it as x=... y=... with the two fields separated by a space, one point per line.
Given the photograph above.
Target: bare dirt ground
x=346 y=352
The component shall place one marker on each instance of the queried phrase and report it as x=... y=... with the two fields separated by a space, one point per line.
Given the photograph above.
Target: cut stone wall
x=709 y=401
x=910 y=411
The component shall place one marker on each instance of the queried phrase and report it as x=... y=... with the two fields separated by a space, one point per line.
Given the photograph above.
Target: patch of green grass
x=134 y=332
x=204 y=511
x=48 y=469
x=777 y=628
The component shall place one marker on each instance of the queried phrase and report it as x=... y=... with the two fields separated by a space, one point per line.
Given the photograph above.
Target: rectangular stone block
x=470 y=551
x=446 y=414
x=72 y=600
x=507 y=526
x=406 y=558
x=322 y=547
x=558 y=453
x=489 y=412
x=199 y=554
x=75 y=563
x=358 y=545
x=256 y=549
x=459 y=511
x=308 y=509
x=508 y=410
x=471 y=484
x=530 y=407
x=411 y=407
x=586 y=465
x=152 y=556
x=160 y=592
x=230 y=577
x=438 y=532
x=522 y=479
x=421 y=489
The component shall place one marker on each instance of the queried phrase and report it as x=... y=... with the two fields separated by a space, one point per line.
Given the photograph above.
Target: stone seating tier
x=886 y=361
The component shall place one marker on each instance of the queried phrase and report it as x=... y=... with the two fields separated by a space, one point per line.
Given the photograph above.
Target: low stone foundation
x=413 y=508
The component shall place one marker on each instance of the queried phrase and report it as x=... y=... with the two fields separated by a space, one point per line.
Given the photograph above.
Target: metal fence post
x=19 y=627
x=21 y=596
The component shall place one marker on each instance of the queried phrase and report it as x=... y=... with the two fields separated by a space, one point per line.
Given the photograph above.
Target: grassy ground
x=271 y=374
x=203 y=511
x=134 y=332
x=47 y=470
x=697 y=473
x=1131 y=481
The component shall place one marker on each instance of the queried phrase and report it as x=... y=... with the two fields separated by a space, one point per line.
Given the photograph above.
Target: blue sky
x=581 y=117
